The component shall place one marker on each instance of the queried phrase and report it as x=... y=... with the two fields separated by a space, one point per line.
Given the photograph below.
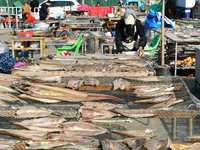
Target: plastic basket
x=25 y=34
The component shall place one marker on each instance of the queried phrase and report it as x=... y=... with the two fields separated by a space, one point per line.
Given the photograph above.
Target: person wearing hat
x=44 y=12
x=130 y=33
x=195 y=11
x=25 y=9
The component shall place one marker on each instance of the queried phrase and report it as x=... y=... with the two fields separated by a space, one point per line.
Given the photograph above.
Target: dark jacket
x=123 y=35
x=43 y=11
x=195 y=13
x=170 y=9
x=33 y=4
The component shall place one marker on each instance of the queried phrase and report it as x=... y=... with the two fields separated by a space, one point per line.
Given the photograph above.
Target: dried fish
x=95 y=114
x=98 y=105
x=43 y=100
x=151 y=88
x=7 y=89
x=136 y=133
x=81 y=146
x=144 y=79
x=42 y=124
x=152 y=95
x=63 y=94
x=71 y=138
x=92 y=82
x=135 y=113
x=50 y=79
x=45 y=144
x=135 y=143
x=8 y=97
x=190 y=139
x=121 y=84
x=172 y=101
x=7 y=144
x=33 y=112
x=25 y=134
x=75 y=84
x=194 y=146
x=5 y=105
x=113 y=145
x=152 y=144
x=82 y=128
x=154 y=100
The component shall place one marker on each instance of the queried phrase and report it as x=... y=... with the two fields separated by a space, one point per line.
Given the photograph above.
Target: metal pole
x=83 y=1
x=8 y=14
x=190 y=126
x=174 y=128
x=163 y=33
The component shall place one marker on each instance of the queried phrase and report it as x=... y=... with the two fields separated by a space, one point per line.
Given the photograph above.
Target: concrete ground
x=164 y=124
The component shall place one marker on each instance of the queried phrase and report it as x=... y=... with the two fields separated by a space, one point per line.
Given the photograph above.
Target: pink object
x=19 y=64
x=101 y=11
x=83 y=7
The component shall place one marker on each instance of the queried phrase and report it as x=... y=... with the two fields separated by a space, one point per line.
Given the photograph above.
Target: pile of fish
x=49 y=94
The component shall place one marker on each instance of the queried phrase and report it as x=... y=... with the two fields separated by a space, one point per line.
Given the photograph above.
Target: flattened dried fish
x=63 y=94
x=145 y=89
x=7 y=89
x=25 y=134
x=99 y=105
x=194 y=146
x=144 y=79
x=46 y=144
x=71 y=138
x=4 y=104
x=135 y=143
x=7 y=144
x=82 y=128
x=95 y=114
x=42 y=124
x=75 y=84
x=152 y=95
x=172 y=101
x=33 y=112
x=190 y=139
x=152 y=144
x=135 y=113
x=43 y=100
x=121 y=84
x=8 y=97
x=136 y=133
x=113 y=145
x=50 y=79
x=154 y=100
x=92 y=82
x=81 y=146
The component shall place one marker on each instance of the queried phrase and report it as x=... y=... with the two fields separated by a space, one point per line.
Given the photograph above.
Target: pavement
x=164 y=125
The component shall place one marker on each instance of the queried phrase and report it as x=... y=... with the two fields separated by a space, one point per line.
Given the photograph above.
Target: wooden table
x=41 y=40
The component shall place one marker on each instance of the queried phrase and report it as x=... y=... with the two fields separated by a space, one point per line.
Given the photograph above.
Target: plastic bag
x=34 y=44
x=3 y=47
x=154 y=20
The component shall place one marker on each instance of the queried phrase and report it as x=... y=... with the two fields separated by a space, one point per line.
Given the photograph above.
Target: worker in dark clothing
x=127 y=31
x=44 y=10
x=33 y=4
x=170 y=9
x=195 y=11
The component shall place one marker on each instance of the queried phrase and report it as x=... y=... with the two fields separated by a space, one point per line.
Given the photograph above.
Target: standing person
x=25 y=9
x=119 y=6
x=195 y=11
x=44 y=10
x=128 y=29
x=98 y=4
x=33 y=4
